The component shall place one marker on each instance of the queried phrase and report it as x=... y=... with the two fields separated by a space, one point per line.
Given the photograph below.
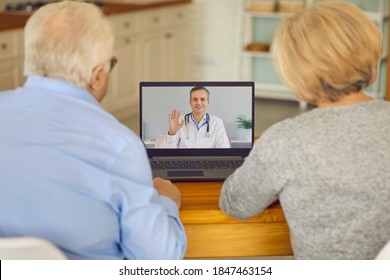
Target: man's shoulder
x=113 y=130
x=215 y=118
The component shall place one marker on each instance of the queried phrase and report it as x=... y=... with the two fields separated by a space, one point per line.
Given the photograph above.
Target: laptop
x=227 y=102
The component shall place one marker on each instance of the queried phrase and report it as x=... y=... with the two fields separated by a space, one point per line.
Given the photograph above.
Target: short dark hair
x=200 y=88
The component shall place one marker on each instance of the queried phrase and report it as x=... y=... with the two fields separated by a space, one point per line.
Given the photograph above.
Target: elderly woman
x=329 y=167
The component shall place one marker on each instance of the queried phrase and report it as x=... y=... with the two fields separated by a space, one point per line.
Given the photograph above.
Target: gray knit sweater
x=330 y=169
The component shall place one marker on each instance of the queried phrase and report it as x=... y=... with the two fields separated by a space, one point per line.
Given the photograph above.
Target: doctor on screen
x=197 y=129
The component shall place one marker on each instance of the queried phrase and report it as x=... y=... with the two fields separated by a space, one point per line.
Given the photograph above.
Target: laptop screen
x=226 y=107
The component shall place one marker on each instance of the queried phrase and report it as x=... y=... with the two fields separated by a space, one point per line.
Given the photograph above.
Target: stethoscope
x=187 y=121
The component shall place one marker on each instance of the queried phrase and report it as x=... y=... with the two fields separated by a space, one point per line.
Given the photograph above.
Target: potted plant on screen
x=245 y=124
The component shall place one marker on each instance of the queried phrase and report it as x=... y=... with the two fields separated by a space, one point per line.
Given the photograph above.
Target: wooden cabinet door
x=122 y=94
x=154 y=58
x=9 y=74
x=178 y=54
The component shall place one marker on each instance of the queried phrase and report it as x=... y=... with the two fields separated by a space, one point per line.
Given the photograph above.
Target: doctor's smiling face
x=199 y=101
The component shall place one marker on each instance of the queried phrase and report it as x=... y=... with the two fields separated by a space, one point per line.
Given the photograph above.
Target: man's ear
x=96 y=78
x=97 y=81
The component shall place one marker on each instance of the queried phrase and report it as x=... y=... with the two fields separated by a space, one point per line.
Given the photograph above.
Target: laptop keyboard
x=196 y=164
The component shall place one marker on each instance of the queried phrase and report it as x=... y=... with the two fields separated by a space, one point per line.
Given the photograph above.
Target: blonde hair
x=328 y=50
x=66 y=40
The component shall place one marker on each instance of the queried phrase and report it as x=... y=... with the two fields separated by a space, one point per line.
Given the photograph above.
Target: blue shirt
x=72 y=174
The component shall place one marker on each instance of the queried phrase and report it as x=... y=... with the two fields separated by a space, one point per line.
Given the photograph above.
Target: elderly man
x=69 y=171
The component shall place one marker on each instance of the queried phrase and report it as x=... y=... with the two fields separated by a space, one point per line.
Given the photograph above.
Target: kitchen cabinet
x=177 y=44
x=178 y=54
x=11 y=59
x=122 y=94
x=165 y=56
x=165 y=48
x=155 y=45
x=260 y=19
x=150 y=46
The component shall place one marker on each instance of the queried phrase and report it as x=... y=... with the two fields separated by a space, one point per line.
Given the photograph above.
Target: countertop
x=15 y=20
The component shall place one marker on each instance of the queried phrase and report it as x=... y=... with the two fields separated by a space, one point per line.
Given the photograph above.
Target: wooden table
x=212 y=234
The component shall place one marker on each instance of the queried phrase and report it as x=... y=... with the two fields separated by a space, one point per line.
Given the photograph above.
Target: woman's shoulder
x=284 y=132
x=285 y=126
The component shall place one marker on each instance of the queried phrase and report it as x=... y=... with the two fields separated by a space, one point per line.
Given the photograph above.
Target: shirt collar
x=58 y=86
x=203 y=120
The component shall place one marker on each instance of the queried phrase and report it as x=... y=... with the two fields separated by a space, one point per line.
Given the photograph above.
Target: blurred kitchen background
x=184 y=40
